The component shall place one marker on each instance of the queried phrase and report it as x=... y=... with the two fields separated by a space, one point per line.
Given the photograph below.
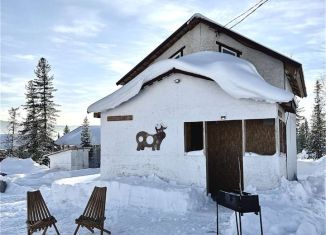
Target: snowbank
x=20 y=166
x=142 y=192
x=234 y=75
x=303 y=155
x=263 y=171
x=292 y=208
x=310 y=167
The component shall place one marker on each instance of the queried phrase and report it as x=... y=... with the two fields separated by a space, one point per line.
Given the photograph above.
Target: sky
x=92 y=44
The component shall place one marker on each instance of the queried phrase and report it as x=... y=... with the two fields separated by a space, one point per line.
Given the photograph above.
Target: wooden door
x=224 y=150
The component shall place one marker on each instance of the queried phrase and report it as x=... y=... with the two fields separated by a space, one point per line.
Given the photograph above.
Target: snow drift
x=236 y=76
x=20 y=166
x=140 y=192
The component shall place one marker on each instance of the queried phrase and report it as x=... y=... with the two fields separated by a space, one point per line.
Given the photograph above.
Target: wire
x=249 y=14
x=243 y=13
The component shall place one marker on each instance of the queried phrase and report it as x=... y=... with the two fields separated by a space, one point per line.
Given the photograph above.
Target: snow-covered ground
x=150 y=205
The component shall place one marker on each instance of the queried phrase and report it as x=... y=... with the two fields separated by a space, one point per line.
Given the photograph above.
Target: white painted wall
x=61 y=160
x=262 y=171
x=291 y=142
x=75 y=159
x=193 y=99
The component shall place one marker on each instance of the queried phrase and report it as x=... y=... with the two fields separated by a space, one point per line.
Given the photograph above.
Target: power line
x=243 y=13
x=248 y=12
x=261 y=4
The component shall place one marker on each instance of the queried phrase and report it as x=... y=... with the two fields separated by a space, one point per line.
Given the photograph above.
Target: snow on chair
x=38 y=214
x=93 y=216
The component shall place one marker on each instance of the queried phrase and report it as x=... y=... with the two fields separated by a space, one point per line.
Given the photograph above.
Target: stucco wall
x=204 y=38
x=192 y=99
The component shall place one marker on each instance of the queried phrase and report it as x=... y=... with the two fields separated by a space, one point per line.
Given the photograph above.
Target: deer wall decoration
x=142 y=138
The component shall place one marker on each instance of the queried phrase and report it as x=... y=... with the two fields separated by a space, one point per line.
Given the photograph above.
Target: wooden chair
x=93 y=216
x=38 y=214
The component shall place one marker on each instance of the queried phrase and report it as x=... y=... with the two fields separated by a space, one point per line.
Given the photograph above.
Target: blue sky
x=92 y=44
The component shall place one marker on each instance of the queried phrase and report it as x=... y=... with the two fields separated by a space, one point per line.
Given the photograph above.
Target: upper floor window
x=178 y=53
x=228 y=50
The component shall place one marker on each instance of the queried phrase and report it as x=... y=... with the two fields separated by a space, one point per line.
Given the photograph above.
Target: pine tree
x=66 y=130
x=12 y=130
x=317 y=140
x=46 y=108
x=85 y=137
x=303 y=136
x=30 y=126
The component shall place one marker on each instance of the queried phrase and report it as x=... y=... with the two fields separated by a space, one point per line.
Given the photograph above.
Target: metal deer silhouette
x=142 y=136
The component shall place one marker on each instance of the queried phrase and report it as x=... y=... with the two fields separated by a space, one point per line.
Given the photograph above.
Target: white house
x=207 y=107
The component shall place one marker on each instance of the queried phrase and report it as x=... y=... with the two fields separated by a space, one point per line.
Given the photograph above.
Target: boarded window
x=282 y=137
x=260 y=136
x=193 y=133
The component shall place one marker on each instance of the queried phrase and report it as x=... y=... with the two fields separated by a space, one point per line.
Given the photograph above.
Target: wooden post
x=206 y=155
x=243 y=137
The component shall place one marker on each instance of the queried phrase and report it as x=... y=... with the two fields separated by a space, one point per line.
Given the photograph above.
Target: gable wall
x=193 y=99
x=203 y=38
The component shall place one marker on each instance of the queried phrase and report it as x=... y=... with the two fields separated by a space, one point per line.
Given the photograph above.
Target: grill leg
x=240 y=223
x=236 y=221
x=216 y=218
x=261 y=223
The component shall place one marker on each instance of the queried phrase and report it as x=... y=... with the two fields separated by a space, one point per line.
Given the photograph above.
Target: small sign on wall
x=146 y=140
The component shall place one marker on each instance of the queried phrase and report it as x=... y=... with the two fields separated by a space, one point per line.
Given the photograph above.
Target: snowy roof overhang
x=293 y=67
x=237 y=77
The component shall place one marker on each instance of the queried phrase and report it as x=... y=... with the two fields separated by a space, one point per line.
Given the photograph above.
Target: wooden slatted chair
x=93 y=216
x=38 y=214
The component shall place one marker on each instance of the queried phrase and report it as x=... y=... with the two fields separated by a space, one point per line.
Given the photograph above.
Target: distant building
x=73 y=156
x=73 y=137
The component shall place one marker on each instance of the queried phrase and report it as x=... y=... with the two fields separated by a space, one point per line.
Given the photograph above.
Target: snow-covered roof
x=292 y=68
x=73 y=137
x=237 y=77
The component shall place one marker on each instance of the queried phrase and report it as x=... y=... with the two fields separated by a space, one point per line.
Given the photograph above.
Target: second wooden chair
x=94 y=213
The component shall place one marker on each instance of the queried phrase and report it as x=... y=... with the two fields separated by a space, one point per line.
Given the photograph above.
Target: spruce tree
x=13 y=124
x=85 y=137
x=30 y=126
x=46 y=108
x=303 y=136
x=66 y=130
x=317 y=140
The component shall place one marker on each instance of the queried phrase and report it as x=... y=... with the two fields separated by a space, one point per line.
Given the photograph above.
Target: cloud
x=14 y=85
x=82 y=28
x=25 y=57
x=119 y=66
x=177 y=15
